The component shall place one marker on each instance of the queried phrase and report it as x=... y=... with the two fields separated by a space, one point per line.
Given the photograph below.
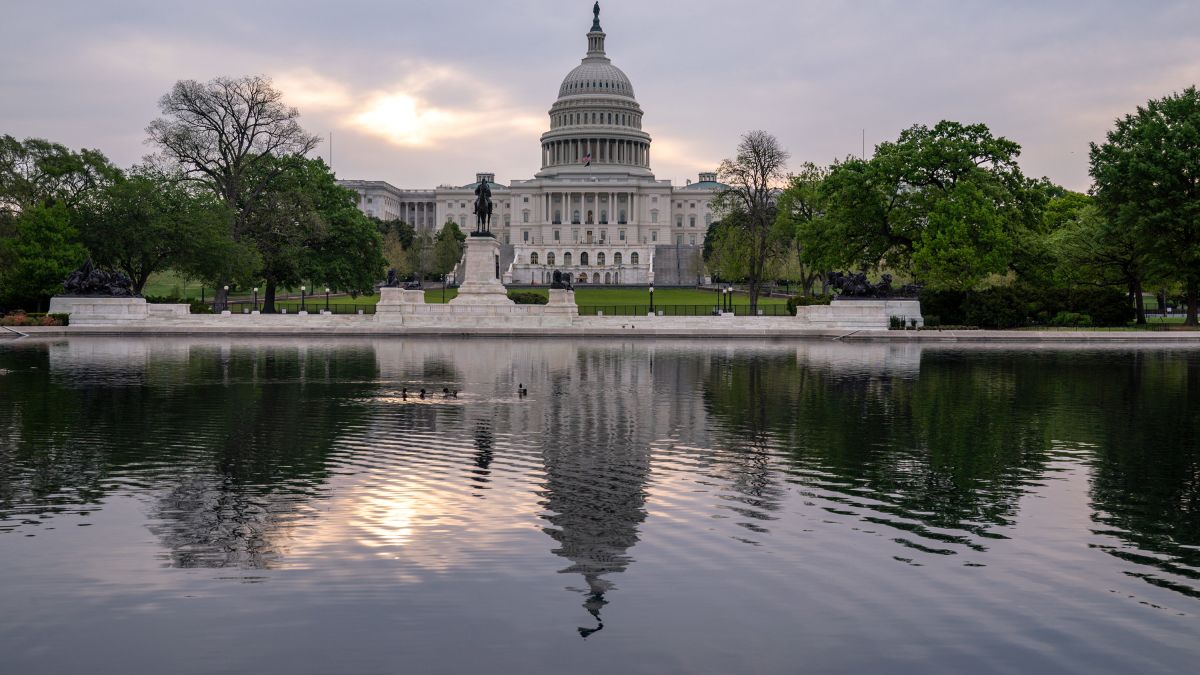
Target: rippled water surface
x=212 y=505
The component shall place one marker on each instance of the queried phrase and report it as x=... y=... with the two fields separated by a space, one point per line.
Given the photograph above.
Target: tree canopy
x=948 y=205
x=1147 y=181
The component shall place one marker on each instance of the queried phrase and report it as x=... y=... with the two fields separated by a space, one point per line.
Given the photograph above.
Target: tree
x=421 y=256
x=43 y=250
x=1147 y=182
x=448 y=248
x=946 y=204
x=749 y=201
x=800 y=214
x=1090 y=250
x=149 y=222
x=224 y=134
x=36 y=172
x=308 y=227
x=727 y=248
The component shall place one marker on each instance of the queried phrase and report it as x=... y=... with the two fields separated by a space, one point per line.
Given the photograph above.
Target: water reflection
x=629 y=465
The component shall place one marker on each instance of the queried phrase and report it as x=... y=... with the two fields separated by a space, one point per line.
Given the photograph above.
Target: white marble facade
x=594 y=209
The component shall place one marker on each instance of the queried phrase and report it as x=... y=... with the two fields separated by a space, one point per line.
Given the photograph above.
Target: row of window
x=583 y=259
x=589 y=235
x=610 y=118
x=463 y=205
x=595 y=84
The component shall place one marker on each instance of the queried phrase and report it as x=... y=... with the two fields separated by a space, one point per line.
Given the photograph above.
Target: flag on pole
x=587 y=158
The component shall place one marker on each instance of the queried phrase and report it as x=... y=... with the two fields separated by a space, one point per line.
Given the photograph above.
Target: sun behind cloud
x=407 y=113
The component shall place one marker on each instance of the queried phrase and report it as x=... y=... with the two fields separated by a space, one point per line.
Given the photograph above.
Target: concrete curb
x=632 y=331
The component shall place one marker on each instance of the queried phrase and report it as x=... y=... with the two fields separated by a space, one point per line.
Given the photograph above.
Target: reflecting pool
x=232 y=505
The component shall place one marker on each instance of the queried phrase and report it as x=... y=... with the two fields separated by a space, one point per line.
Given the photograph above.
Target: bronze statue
x=91 y=280
x=856 y=285
x=483 y=209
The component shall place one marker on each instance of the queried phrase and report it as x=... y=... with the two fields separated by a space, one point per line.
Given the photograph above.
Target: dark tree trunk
x=1139 y=302
x=1193 y=290
x=220 y=298
x=269 y=298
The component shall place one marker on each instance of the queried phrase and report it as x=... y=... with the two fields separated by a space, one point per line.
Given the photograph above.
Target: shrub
x=1105 y=306
x=1071 y=319
x=166 y=300
x=528 y=298
x=62 y=319
x=948 y=305
x=806 y=301
x=20 y=318
x=198 y=307
x=1000 y=307
x=895 y=323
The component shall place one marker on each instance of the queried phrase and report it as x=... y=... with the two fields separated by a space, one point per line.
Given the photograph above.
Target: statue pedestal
x=394 y=300
x=867 y=314
x=100 y=310
x=481 y=274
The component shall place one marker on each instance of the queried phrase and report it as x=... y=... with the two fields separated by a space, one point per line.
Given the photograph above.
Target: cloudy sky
x=422 y=92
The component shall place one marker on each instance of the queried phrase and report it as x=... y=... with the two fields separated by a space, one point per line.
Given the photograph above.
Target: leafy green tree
x=727 y=249
x=421 y=257
x=43 y=250
x=749 y=202
x=947 y=204
x=1146 y=181
x=800 y=219
x=150 y=222
x=308 y=228
x=225 y=135
x=1090 y=250
x=38 y=173
x=448 y=248
x=403 y=231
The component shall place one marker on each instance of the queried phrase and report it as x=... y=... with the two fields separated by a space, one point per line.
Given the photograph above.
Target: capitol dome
x=596 y=77
x=596 y=122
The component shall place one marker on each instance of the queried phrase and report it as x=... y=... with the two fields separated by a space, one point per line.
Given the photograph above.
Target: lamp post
x=256 y=298
x=226 y=297
x=302 y=289
x=327 y=299
x=651 y=298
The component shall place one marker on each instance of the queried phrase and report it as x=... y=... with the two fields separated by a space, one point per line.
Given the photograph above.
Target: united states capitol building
x=594 y=210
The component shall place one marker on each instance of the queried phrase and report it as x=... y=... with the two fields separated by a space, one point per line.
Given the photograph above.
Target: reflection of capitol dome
x=596 y=120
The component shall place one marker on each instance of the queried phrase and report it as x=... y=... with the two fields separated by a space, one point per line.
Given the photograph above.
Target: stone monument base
x=100 y=310
x=481 y=275
x=860 y=314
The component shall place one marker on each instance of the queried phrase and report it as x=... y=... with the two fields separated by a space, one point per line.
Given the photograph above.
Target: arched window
x=633 y=258
x=596 y=278
x=550 y=259
x=557 y=218
x=707 y=219
x=679 y=220
x=583 y=259
x=533 y=259
x=590 y=218
x=603 y=217
x=608 y=277
x=600 y=258
x=691 y=221
x=575 y=217
x=617 y=258
x=621 y=220
x=567 y=259
x=654 y=216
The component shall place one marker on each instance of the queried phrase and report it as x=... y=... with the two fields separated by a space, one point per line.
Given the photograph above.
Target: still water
x=213 y=505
